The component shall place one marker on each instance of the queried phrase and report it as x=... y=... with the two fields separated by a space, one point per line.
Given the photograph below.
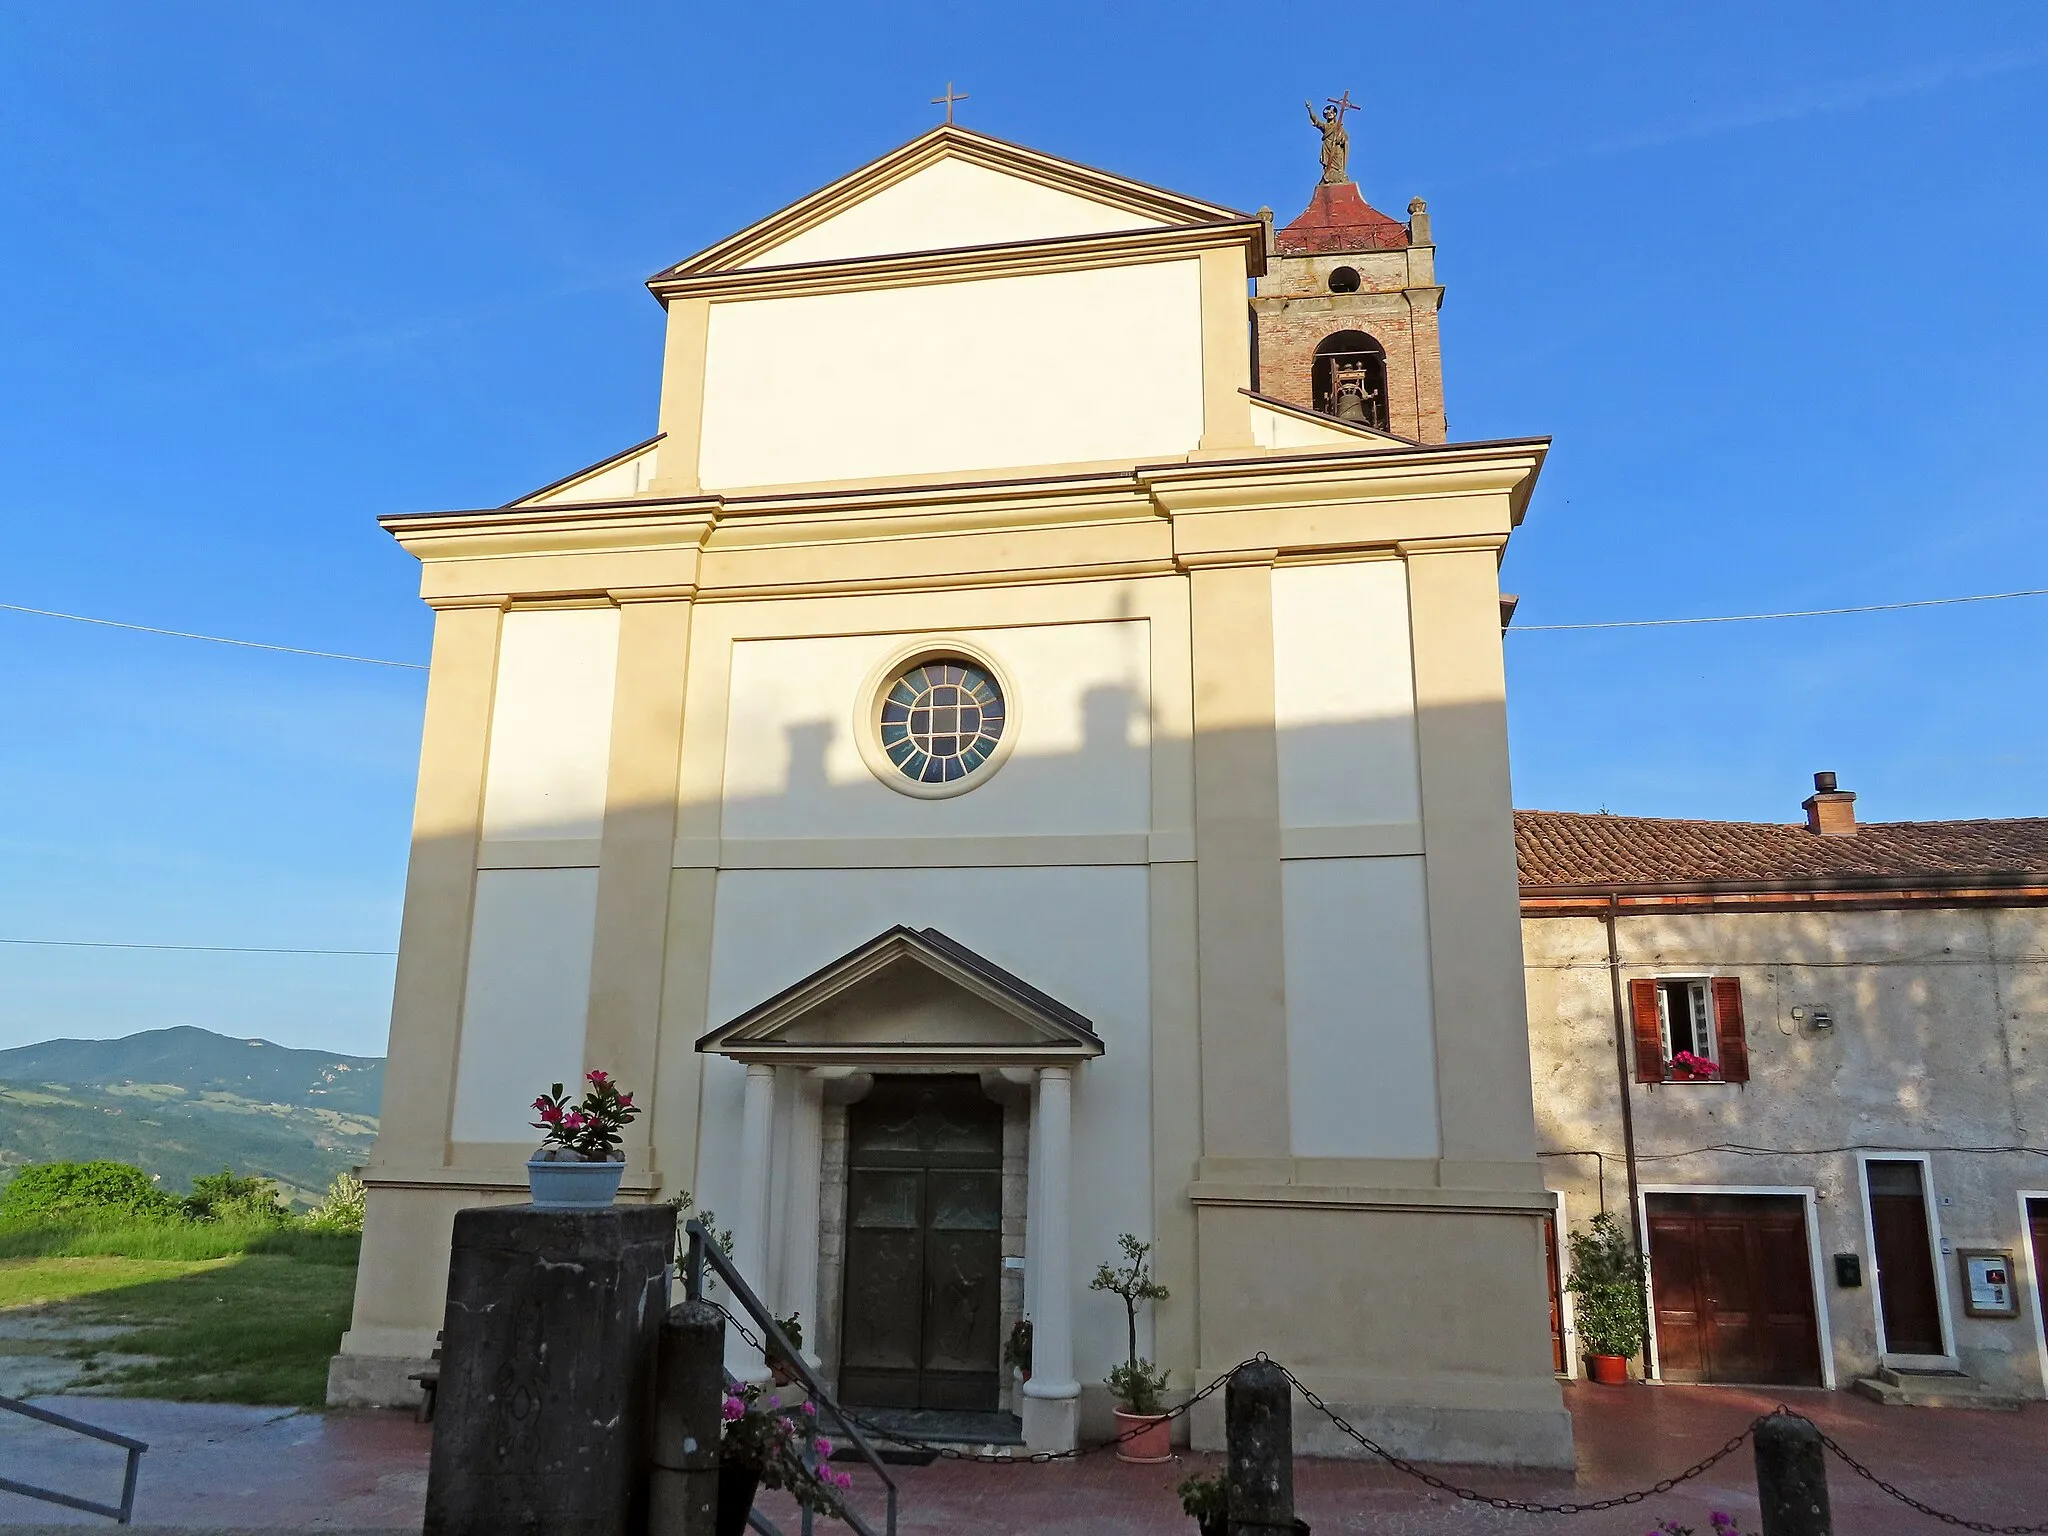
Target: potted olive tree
x=1143 y=1432
x=1607 y=1282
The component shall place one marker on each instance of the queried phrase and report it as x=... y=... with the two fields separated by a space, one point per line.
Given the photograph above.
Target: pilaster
x=440 y=887
x=682 y=397
x=1484 y=1106
x=1226 y=350
x=1237 y=869
x=637 y=847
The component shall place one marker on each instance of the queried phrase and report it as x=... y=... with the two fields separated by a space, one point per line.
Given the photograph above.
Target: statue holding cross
x=1336 y=142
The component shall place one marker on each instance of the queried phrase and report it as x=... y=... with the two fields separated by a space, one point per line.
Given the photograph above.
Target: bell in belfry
x=1351 y=403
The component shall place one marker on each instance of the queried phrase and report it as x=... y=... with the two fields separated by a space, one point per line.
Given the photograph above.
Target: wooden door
x=1550 y=1274
x=1733 y=1286
x=924 y=1218
x=1906 y=1283
x=2037 y=1229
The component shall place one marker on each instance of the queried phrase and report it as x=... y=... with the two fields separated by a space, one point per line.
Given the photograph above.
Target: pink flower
x=842 y=1480
x=824 y=1446
x=775 y=1401
x=733 y=1409
x=811 y=1408
x=599 y=1078
x=625 y=1100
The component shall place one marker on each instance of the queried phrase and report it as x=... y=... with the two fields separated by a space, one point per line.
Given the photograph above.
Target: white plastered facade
x=1251 y=824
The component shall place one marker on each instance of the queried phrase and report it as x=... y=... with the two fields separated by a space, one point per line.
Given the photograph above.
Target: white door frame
x=1947 y=1359
x=1823 y=1326
x=2029 y=1263
x=1567 y=1319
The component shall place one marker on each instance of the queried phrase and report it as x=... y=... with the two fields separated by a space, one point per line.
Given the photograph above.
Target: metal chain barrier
x=1912 y=1503
x=1496 y=1501
x=1420 y=1474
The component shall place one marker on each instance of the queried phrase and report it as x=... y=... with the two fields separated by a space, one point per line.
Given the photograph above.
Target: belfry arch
x=1350 y=379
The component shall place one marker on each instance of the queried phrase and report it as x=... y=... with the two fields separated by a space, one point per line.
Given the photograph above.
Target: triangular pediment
x=1284 y=427
x=908 y=997
x=951 y=189
x=624 y=475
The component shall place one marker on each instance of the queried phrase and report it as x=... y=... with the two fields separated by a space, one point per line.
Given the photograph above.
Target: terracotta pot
x=1152 y=1443
x=1608 y=1370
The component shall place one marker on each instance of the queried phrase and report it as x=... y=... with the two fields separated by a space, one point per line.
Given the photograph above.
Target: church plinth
x=547 y=1371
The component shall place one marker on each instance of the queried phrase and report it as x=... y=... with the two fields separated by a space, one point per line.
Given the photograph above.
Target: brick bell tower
x=1346 y=314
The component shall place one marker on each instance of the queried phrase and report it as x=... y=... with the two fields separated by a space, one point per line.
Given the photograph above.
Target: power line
x=1799 y=613
x=202 y=949
x=1516 y=629
x=186 y=634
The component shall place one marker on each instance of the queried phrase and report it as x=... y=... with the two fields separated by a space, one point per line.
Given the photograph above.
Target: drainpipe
x=1623 y=1082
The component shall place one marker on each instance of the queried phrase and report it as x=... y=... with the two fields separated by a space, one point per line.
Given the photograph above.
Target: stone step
x=1932 y=1389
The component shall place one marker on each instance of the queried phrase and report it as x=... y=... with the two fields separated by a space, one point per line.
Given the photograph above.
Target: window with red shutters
x=1642 y=1002
x=1731 y=1040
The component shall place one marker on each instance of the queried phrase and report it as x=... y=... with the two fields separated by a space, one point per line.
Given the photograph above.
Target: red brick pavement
x=245 y=1467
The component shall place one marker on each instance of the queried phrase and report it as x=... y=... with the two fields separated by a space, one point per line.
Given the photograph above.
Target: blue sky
x=1770 y=275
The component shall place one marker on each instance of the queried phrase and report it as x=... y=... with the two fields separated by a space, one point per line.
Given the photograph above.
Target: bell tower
x=1346 y=314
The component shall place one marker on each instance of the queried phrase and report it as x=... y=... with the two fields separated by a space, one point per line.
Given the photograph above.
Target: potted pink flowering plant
x=766 y=1445
x=579 y=1164
x=1688 y=1068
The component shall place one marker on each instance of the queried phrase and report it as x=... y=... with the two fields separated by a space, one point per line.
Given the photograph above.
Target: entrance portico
x=912 y=1005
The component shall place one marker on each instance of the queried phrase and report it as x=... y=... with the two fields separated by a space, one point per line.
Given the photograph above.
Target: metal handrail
x=118 y=1513
x=702 y=1251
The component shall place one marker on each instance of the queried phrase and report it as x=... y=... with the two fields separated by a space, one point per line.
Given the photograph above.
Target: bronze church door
x=924 y=1222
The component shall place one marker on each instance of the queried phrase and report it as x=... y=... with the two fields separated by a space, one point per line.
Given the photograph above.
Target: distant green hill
x=184 y=1102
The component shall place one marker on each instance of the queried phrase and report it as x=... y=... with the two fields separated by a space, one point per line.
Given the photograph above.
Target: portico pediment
x=909 y=997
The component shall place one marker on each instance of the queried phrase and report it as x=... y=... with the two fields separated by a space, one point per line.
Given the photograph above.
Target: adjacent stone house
x=1854 y=1186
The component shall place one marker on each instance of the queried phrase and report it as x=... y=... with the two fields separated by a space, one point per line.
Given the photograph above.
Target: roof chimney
x=1830 y=812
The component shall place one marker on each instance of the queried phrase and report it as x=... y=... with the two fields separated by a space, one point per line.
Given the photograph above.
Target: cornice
x=968 y=263
x=583 y=528
x=1312 y=479
x=1244 y=510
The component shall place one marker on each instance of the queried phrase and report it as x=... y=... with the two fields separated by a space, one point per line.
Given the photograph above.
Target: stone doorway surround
x=907 y=1002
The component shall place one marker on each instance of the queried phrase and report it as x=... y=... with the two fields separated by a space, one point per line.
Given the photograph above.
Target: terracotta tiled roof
x=1338 y=218
x=1574 y=848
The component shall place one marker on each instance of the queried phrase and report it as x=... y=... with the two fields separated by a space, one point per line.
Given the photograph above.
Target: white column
x=1051 y=1406
x=800 y=1230
x=1032 y=1185
x=750 y=1221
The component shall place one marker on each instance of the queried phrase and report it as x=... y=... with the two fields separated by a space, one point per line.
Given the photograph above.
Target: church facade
x=1019 y=759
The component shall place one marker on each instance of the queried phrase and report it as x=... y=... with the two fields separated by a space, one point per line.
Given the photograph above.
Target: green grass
x=38 y=1282
x=226 y=1314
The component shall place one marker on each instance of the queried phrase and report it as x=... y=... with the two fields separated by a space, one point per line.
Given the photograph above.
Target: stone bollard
x=1258 y=1415
x=1792 y=1478
x=688 y=1423
x=546 y=1404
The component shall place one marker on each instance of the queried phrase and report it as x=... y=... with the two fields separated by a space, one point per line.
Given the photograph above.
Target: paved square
x=224 y=1467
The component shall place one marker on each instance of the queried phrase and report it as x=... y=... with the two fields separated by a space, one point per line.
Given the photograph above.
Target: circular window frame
x=1344 y=280
x=867 y=719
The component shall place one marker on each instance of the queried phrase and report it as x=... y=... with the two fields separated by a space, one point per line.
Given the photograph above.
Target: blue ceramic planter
x=573 y=1186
